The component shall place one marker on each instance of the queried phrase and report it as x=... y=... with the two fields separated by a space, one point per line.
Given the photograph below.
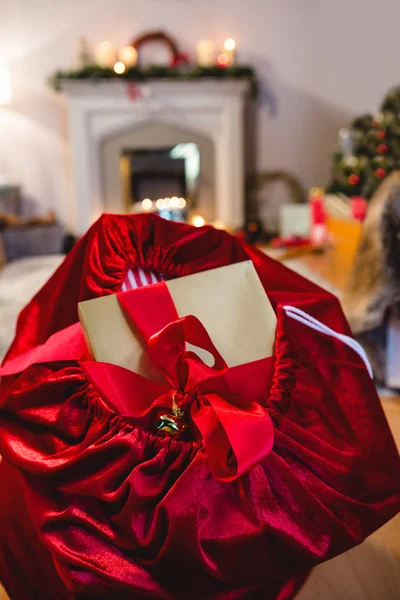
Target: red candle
x=318 y=233
x=358 y=207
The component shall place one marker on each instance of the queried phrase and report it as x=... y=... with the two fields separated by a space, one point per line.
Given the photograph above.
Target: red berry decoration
x=380 y=173
x=353 y=179
x=181 y=58
x=382 y=149
x=380 y=134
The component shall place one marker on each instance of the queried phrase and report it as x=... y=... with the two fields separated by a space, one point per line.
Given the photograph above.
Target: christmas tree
x=369 y=150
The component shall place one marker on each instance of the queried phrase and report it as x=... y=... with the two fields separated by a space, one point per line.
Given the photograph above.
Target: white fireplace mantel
x=99 y=110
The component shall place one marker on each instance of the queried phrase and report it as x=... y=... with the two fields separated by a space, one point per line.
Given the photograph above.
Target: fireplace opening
x=163 y=180
x=158 y=167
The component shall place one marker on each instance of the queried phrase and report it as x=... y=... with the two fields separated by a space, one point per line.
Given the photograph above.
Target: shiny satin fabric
x=114 y=511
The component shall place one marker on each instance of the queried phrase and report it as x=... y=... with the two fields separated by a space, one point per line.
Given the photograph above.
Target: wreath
x=150 y=37
x=257 y=182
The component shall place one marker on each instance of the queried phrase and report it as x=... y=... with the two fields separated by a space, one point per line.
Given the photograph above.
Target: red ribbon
x=226 y=404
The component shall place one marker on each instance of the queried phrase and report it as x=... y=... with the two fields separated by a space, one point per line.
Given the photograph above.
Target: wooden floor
x=372 y=570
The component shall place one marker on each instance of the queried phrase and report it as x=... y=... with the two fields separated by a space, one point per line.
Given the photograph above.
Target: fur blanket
x=374 y=286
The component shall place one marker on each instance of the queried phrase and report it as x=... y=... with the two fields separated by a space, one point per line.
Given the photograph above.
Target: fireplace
x=113 y=136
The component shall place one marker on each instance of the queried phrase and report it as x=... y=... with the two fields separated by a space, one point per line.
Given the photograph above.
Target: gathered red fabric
x=109 y=509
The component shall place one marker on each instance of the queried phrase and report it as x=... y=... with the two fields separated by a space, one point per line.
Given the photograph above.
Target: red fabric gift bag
x=98 y=506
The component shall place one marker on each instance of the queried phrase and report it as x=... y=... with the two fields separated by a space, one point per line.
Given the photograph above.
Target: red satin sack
x=97 y=506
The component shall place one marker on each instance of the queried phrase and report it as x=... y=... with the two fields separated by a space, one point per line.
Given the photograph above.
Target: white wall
x=320 y=61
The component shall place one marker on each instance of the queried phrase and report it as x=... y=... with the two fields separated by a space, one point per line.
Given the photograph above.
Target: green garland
x=95 y=74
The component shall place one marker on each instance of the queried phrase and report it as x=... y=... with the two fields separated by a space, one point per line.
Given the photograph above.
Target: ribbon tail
x=126 y=392
x=65 y=345
x=236 y=439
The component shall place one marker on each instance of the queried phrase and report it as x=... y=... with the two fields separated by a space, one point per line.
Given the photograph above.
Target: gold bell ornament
x=172 y=424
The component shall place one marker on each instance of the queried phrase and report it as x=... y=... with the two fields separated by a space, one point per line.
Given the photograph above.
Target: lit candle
x=119 y=67
x=223 y=60
x=229 y=51
x=198 y=221
x=205 y=53
x=106 y=55
x=128 y=56
x=147 y=204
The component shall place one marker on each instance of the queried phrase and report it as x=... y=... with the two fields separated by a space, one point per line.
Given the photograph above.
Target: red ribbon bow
x=226 y=404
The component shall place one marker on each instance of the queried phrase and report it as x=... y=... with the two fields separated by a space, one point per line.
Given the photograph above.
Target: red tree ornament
x=380 y=134
x=353 y=179
x=380 y=173
x=382 y=149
